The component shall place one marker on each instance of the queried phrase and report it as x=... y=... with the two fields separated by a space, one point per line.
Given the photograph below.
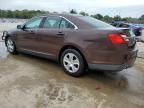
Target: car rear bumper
x=107 y=67
x=129 y=62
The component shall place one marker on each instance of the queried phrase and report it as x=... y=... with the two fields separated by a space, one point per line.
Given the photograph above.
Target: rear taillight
x=117 y=38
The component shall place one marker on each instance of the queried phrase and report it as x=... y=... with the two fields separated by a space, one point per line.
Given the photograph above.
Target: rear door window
x=52 y=22
x=66 y=24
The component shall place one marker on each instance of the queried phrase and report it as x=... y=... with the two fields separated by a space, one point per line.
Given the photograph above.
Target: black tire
x=78 y=57
x=12 y=51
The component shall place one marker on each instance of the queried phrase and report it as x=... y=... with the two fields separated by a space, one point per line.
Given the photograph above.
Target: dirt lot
x=32 y=82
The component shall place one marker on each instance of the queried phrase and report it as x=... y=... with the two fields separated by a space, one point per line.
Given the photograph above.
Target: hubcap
x=71 y=62
x=10 y=45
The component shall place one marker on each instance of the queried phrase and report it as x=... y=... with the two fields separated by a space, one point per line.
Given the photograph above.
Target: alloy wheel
x=71 y=62
x=10 y=45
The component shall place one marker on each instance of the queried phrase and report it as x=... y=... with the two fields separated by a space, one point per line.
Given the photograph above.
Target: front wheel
x=73 y=62
x=10 y=45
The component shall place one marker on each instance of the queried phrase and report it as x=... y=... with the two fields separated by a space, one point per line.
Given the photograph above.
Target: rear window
x=96 y=23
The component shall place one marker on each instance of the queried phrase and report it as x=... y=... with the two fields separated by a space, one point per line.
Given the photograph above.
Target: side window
x=121 y=25
x=115 y=24
x=52 y=22
x=124 y=25
x=34 y=23
x=65 y=24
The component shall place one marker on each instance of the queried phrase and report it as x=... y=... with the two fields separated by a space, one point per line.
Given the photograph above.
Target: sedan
x=76 y=42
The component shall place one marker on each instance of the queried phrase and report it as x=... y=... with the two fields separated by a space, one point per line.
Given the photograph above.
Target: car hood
x=12 y=31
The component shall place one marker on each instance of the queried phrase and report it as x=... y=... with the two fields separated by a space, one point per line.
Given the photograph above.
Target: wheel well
x=6 y=38
x=71 y=47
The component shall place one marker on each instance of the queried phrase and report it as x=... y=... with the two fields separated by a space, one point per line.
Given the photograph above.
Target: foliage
x=20 y=14
x=84 y=14
x=73 y=11
x=109 y=19
x=142 y=17
x=98 y=16
x=26 y=14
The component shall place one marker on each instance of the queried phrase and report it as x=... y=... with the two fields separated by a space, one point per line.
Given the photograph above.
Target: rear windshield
x=96 y=23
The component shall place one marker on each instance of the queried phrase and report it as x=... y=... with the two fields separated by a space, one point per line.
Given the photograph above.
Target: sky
x=124 y=8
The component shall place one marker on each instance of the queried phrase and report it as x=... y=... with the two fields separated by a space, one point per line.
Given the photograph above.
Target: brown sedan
x=77 y=42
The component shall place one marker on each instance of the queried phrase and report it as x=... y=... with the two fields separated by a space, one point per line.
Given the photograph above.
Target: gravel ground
x=140 y=46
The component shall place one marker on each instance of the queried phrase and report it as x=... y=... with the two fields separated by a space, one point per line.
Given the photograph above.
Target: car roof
x=56 y=14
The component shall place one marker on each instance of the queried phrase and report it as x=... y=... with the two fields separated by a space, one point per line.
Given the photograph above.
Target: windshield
x=96 y=23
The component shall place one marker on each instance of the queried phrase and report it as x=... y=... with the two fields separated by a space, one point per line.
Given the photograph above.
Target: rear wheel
x=72 y=62
x=10 y=45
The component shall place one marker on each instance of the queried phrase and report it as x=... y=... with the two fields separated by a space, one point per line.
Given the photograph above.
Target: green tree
x=98 y=16
x=10 y=14
x=73 y=11
x=84 y=13
x=142 y=17
x=117 y=18
x=107 y=18
x=30 y=13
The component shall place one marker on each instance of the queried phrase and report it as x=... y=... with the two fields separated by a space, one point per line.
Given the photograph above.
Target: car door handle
x=31 y=32
x=60 y=33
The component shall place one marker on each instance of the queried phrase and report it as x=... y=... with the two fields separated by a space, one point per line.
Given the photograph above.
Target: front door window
x=34 y=23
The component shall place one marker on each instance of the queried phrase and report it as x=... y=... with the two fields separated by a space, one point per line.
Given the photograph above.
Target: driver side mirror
x=19 y=27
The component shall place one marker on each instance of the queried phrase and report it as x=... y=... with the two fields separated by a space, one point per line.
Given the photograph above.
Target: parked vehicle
x=77 y=42
x=135 y=28
x=117 y=23
x=140 y=25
